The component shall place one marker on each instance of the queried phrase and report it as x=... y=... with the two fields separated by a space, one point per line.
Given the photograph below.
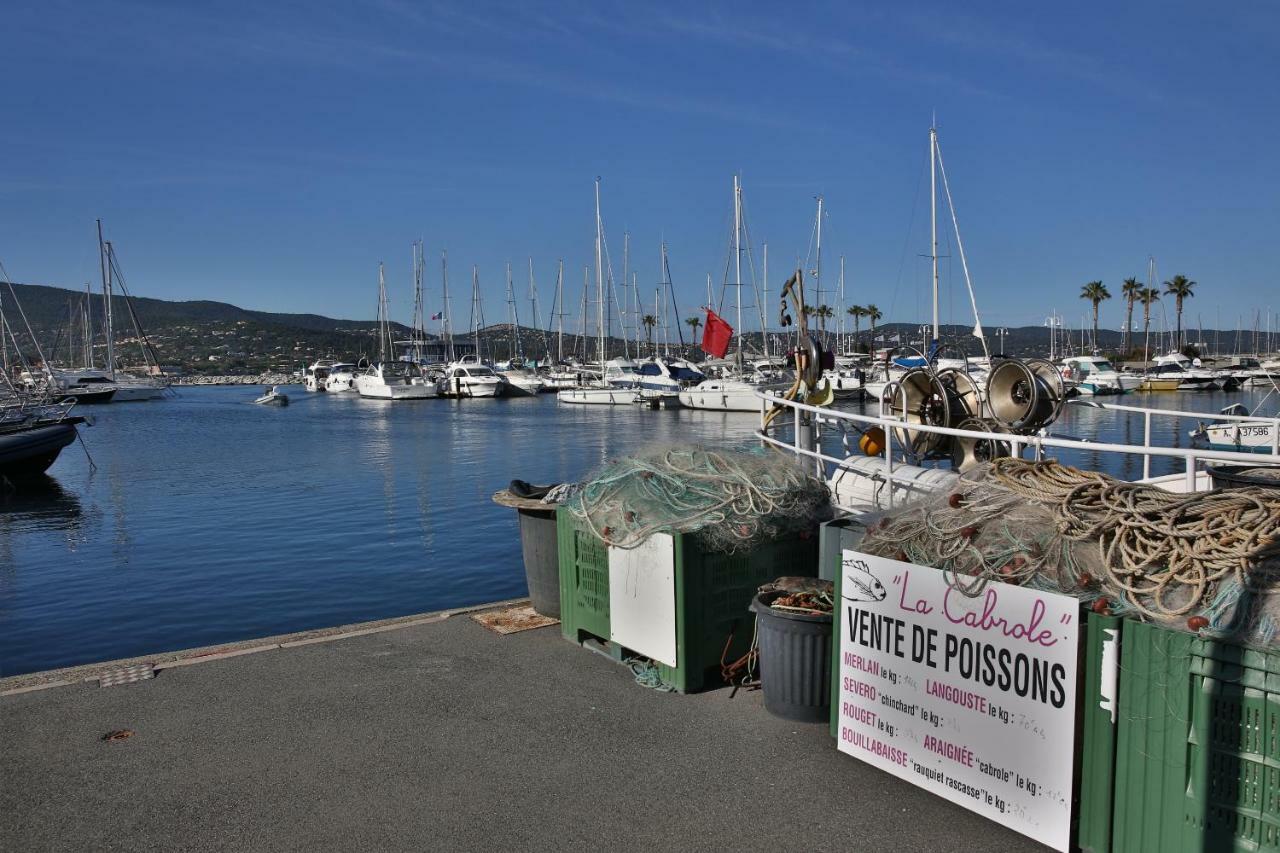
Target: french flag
x=439 y=316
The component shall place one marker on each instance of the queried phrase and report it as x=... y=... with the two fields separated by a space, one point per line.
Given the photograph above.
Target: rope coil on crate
x=1046 y=525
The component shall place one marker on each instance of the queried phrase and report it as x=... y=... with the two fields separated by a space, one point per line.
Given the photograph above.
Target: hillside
x=214 y=337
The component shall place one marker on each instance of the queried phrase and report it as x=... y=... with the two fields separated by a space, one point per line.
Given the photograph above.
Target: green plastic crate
x=1198 y=745
x=713 y=592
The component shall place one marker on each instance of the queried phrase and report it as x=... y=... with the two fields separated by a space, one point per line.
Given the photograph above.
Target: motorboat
x=1091 y=375
x=395 y=380
x=1176 y=367
x=661 y=379
x=316 y=376
x=128 y=388
x=342 y=377
x=470 y=377
x=273 y=397
x=728 y=395
x=522 y=381
x=1249 y=371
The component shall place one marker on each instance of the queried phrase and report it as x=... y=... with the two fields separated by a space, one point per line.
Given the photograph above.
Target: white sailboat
x=615 y=385
x=735 y=392
x=521 y=381
x=388 y=379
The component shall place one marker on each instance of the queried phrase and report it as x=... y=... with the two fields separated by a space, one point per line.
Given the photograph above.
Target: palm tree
x=1130 y=289
x=1147 y=295
x=695 y=322
x=1095 y=292
x=822 y=312
x=857 y=312
x=1180 y=288
x=872 y=313
x=649 y=322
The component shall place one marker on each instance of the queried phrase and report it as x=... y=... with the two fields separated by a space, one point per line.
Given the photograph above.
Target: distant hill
x=204 y=336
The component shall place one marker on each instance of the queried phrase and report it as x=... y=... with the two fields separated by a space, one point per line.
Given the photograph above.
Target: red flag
x=716 y=335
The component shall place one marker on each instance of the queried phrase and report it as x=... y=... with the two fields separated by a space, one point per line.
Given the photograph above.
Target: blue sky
x=270 y=154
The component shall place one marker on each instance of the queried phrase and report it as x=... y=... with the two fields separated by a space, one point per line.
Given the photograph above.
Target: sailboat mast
x=475 y=309
x=445 y=321
x=737 y=258
x=600 y=347
x=560 y=311
x=104 y=252
x=764 y=330
x=515 y=314
x=817 y=270
x=933 y=222
x=840 y=344
x=418 y=322
x=88 y=326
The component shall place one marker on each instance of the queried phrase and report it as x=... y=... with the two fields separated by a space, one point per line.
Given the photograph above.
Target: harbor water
x=208 y=519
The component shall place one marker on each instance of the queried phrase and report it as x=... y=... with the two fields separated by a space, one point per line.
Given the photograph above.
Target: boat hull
x=137 y=393
x=378 y=391
x=29 y=452
x=597 y=396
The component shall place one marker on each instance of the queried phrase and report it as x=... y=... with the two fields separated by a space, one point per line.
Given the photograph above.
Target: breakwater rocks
x=255 y=379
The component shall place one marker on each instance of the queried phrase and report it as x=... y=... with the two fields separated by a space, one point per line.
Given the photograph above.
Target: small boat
x=273 y=398
x=1242 y=436
x=1177 y=367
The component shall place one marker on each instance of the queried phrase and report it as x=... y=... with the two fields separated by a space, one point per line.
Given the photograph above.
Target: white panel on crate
x=642 y=598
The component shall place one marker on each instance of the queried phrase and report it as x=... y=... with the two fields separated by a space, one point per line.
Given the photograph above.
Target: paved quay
x=441 y=735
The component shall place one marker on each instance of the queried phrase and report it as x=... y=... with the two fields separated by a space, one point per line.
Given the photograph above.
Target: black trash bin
x=1239 y=476
x=541 y=553
x=795 y=661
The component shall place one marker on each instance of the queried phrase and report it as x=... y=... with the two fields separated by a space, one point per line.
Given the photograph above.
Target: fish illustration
x=859 y=584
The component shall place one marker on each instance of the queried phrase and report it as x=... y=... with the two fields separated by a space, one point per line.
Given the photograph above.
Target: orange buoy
x=872 y=442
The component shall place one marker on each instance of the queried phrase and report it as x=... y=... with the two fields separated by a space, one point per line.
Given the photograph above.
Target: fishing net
x=732 y=499
x=1206 y=562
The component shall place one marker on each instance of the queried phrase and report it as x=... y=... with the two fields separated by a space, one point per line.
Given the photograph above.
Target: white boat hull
x=724 y=397
x=523 y=386
x=597 y=396
x=1245 y=436
x=378 y=391
x=476 y=390
x=130 y=393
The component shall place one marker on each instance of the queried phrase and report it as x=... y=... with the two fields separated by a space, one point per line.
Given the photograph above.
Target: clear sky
x=270 y=154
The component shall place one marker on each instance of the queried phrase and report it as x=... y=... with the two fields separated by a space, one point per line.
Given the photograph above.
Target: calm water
x=210 y=519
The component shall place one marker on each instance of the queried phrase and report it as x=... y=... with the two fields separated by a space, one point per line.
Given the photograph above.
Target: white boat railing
x=1018 y=444
x=1173 y=413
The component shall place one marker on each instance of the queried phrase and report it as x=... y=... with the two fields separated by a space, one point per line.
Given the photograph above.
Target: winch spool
x=919 y=398
x=1019 y=397
x=965 y=394
x=967 y=452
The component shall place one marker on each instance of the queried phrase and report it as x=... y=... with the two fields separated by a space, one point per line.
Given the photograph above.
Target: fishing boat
x=273 y=397
x=1252 y=436
x=1091 y=375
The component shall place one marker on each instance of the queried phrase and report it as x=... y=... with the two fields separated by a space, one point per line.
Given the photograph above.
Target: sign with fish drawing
x=971 y=697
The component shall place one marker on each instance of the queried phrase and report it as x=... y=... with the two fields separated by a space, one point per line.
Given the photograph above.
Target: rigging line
x=906 y=242
x=964 y=263
x=23 y=314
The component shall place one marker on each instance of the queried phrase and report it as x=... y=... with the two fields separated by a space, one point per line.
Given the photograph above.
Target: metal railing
x=1018 y=444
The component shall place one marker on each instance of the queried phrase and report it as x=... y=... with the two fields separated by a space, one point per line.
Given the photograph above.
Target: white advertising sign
x=972 y=699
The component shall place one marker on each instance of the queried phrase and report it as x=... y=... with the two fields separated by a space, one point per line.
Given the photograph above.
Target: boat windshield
x=478 y=371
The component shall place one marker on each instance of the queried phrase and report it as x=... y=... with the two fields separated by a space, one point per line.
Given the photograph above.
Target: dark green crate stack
x=1197 y=747
x=713 y=592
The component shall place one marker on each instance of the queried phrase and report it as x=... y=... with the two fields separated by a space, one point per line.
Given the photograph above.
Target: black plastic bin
x=540 y=548
x=795 y=662
x=1238 y=476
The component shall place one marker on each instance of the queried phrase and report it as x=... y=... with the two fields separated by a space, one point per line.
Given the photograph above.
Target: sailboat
x=886 y=374
x=521 y=381
x=736 y=390
x=90 y=384
x=616 y=384
x=469 y=376
x=388 y=379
